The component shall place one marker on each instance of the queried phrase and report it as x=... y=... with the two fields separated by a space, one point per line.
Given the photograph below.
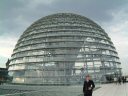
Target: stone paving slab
x=112 y=90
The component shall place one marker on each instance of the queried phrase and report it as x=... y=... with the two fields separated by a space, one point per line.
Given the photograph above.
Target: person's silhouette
x=88 y=86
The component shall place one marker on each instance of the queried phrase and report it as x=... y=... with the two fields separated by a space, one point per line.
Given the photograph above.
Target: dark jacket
x=87 y=85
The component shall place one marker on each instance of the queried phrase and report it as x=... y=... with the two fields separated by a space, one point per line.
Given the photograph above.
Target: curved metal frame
x=62 y=48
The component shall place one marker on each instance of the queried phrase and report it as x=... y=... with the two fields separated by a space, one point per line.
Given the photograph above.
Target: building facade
x=3 y=75
x=61 y=49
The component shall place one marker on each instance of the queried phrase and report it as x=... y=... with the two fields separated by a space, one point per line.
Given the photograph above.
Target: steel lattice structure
x=62 y=48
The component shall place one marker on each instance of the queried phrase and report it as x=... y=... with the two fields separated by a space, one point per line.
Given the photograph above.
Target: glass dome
x=61 y=49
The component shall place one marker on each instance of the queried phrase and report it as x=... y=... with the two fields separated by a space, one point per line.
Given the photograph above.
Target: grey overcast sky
x=17 y=15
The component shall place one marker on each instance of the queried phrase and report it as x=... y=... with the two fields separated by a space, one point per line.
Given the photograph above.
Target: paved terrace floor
x=112 y=90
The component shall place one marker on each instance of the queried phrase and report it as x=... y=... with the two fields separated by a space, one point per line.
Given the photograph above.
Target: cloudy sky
x=17 y=15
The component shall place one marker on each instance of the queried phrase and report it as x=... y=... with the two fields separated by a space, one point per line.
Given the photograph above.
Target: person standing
x=119 y=80
x=88 y=86
x=123 y=79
